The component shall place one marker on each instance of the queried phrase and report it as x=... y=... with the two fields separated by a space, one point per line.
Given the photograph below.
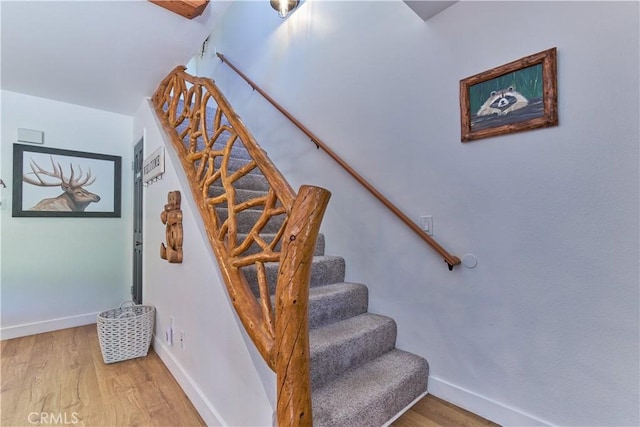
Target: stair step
x=268 y=237
x=235 y=163
x=242 y=195
x=237 y=151
x=252 y=181
x=373 y=393
x=344 y=345
x=324 y=270
x=336 y=302
x=247 y=218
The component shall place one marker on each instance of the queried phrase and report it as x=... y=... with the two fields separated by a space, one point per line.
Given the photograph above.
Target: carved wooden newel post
x=292 y=300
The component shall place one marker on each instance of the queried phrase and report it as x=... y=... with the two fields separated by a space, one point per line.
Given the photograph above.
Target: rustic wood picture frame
x=42 y=173
x=513 y=97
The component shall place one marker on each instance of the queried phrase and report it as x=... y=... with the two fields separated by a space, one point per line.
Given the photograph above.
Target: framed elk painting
x=49 y=182
x=514 y=97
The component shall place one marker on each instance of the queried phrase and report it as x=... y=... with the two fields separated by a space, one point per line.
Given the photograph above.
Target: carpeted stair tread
x=268 y=237
x=324 y=270
x=338 y=301
x=235 y=163
x=252 y=181
x=373 y=393
x=340 y=346
x=242 y=195
x=246 y=219
x=237 y=151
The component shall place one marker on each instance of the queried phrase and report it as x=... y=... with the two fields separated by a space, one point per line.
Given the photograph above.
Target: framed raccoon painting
x=514 y=97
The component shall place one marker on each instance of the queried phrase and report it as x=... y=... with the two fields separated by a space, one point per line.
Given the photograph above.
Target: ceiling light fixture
x=284 y=7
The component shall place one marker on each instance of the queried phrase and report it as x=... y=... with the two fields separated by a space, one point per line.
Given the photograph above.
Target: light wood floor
x=431 y=411
x=59 y=378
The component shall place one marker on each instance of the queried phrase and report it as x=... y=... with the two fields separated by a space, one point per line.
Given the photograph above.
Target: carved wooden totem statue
x=172 y=218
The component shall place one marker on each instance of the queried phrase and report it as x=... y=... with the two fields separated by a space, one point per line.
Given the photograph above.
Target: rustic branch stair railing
x=205 y=130
x=450 y=259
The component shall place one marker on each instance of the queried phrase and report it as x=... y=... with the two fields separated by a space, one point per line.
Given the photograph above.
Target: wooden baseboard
x=481 y=405
x=47 y=326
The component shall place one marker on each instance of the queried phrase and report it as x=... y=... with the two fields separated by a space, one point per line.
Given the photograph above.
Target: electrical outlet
x=169 y=332
x=169 y=336
x=182 y=340
x=426 y=223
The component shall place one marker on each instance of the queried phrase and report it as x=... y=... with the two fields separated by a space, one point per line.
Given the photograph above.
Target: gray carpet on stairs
x=335 y=302
x=359 y=378
x=338 y=347
x=372 y=393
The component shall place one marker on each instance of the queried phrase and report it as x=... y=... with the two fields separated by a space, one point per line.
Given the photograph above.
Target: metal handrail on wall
x=450 y=259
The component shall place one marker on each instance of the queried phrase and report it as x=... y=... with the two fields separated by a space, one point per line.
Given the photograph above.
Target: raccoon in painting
x=503 y=102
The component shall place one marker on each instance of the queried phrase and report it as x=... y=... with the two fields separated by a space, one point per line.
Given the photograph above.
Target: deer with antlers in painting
x=74 y=197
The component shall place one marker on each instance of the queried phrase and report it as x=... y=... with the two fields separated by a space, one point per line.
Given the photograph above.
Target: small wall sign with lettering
x=153 y=166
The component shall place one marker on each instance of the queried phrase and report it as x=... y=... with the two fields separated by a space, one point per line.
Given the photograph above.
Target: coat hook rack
x=153 y=167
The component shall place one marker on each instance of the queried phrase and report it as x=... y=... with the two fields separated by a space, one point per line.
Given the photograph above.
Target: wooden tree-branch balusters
x=178 y=106
x=205 y=136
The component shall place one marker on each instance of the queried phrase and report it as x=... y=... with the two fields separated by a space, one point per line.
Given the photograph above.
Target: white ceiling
x=107 y=55
x=428 y=9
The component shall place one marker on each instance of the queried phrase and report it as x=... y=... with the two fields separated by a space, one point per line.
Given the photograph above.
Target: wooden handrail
x=204 y=138
x=451 y=260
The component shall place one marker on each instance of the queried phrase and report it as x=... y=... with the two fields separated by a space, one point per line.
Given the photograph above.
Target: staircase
x=348 y=372
x=358 y=377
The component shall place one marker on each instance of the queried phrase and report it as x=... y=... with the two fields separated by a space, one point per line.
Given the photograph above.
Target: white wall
x=60 y=272
x=545 y=329
x=219 y=369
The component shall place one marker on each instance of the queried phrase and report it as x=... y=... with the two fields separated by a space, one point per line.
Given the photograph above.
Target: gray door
x=136 y=289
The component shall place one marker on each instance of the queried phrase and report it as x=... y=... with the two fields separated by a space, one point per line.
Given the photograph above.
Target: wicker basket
x=125 y=332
